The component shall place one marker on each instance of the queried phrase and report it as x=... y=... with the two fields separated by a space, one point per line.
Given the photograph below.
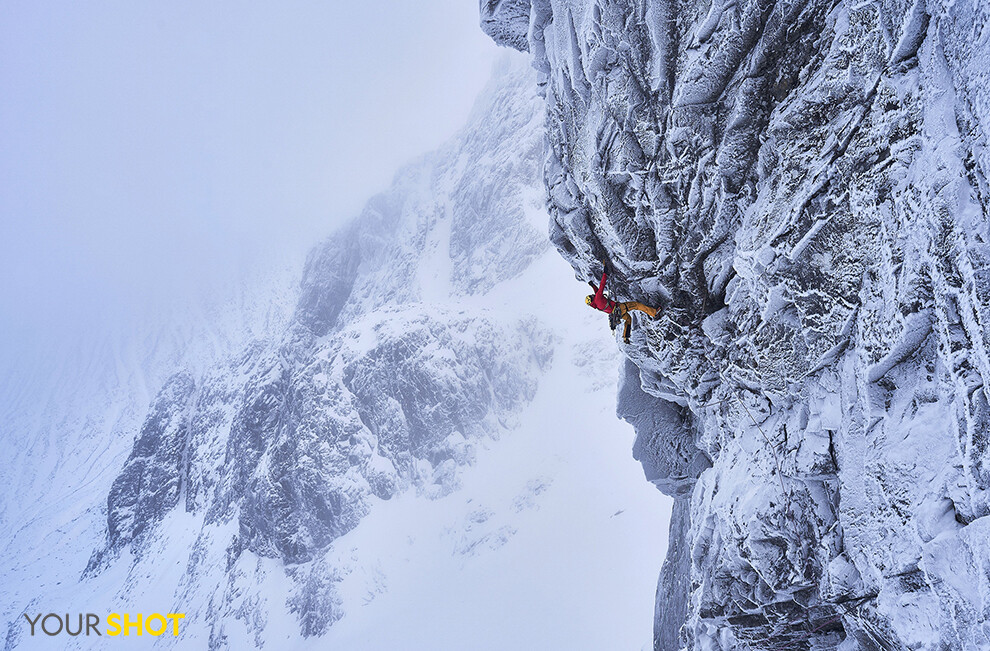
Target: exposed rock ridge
x=802 y=186
x=383 y=381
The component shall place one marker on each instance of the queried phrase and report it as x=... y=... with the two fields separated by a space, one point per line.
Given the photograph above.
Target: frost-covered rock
x=368 y=411
x=802 y=186
x=506 y=21
x=148 y=486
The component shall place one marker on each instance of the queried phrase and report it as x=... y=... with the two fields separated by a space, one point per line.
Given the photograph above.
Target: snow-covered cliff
x=397 y=464
x=803 y=187
x=380 y=382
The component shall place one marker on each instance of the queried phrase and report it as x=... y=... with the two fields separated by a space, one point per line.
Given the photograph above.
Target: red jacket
x=598 y=301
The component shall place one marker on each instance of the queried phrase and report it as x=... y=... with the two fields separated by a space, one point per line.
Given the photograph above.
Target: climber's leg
x=636 y=305
x=625 y=331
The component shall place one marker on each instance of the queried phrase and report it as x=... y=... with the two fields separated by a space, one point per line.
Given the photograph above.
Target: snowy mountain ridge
x=401 y=449
x=803 y=187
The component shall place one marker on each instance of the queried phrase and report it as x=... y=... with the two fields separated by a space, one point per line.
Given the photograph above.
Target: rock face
x=148 y=486
x=506 y=21
x=803 y=187
x=379 y=384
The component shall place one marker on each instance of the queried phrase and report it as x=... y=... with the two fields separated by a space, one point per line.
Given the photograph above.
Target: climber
x=615 y=310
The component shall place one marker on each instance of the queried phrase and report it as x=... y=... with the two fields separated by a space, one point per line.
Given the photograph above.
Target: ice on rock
x=803 y=187
x=506 y=21
x=148 y=486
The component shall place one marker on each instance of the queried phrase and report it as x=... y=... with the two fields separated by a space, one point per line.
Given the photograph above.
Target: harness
x=613 y=318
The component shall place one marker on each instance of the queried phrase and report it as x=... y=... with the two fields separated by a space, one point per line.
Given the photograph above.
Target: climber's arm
x=600 y=290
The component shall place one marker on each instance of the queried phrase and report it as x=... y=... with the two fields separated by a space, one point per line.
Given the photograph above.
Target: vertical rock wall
x=801 y=185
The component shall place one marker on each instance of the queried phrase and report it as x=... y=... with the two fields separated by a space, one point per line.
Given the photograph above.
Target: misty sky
x=151 y=149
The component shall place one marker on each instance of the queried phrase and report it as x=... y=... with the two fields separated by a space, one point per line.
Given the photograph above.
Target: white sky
x=152 y=149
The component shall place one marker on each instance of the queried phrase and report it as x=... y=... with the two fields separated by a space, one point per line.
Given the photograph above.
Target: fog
x=150 y=152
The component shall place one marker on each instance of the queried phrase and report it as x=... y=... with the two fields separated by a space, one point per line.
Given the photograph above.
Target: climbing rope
x=773 y=449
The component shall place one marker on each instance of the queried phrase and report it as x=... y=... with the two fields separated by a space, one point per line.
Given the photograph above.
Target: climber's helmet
x=588 y=299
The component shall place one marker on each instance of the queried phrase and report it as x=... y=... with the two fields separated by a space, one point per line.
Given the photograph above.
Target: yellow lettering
x=158 y=629
x=174 y=618
x=114 y=627
x=129 y=624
